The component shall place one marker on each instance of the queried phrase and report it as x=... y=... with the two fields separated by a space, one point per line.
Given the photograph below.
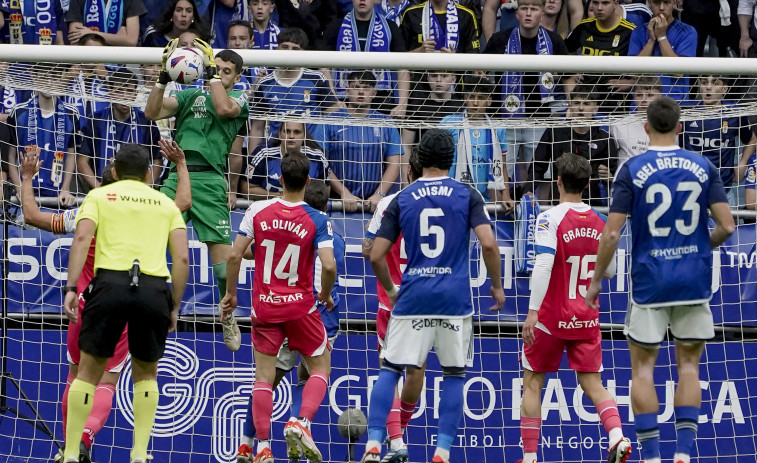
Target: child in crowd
x=717 y=136
x=480 y=150
x=578 y=137
x=630 y=136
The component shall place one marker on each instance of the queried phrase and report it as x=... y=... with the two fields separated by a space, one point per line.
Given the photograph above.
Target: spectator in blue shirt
x=717 y=136
x=263 y=178
x=480 y=149
x=364 y=156
x=666 y=36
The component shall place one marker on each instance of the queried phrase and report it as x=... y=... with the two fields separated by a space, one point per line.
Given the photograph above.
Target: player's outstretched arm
x=490 y=252
x=158 y=107
x=724 y=224
x=171 y=151
x=179 y=249
x=224 y=105
x=229 y=301
x=606 y=253
x=328 y=276
x=30 y=165
x=77 y=255
x=381 y=247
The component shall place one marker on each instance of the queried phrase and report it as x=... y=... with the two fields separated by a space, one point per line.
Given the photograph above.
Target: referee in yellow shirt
x=133 y=224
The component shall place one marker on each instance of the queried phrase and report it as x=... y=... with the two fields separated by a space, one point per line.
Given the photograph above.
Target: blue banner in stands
x=204 y=393
x=37 y=269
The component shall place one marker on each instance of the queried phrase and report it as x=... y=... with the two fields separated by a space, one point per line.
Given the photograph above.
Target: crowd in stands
x=360 y=148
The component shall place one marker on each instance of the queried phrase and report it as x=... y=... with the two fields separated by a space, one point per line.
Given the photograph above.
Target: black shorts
x=111 y=303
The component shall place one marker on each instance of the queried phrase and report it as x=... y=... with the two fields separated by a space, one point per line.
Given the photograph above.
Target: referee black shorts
x=111 y=303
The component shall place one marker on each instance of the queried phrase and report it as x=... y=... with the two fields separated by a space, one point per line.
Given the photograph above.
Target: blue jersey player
x=433 y=308
x=317 y=196
x=667 y=192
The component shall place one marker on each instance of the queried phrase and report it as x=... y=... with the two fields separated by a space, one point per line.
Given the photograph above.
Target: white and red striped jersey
x=286 y=236
x=396 y=259
x=571 y=232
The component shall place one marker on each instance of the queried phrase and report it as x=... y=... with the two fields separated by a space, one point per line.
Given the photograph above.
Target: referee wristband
x=393 y=292
x=68 y=289
x=664 y=37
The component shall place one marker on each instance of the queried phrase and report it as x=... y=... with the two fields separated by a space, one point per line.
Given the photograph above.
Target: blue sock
x=249 y=428
x=451 y=410
x=648 y=433
x=686 y=428
x=297 y=398
x=382 y=398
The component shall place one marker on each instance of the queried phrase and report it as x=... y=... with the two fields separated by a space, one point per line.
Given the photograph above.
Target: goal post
x=204 y=388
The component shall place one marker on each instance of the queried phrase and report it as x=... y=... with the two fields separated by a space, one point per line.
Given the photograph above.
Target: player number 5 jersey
x=570 y=231
x=286 y=236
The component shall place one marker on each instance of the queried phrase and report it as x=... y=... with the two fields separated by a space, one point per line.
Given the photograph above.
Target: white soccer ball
x=184 y=65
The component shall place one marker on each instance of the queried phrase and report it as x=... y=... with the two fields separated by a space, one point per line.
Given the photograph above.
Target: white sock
x=263 y=444
x=616 y=434
x=529 y=457
x=398 y=443
x=442 y=453
x=371 y=444
x=653 y=460
x=681 y=457
x=248 y=441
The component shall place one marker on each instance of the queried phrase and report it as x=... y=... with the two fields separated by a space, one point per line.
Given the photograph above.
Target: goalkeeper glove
x=164 y=78
x=208 y=60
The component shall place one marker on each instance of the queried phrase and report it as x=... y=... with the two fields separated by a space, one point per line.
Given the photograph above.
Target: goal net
x=510 y=116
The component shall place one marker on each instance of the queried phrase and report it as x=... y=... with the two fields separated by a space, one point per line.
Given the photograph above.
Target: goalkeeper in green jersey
x=207 y=123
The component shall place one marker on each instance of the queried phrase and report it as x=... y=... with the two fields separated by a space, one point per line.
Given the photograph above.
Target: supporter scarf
x=379 y=39
x=464 y=169
x=392 y=13
x=104 y=16
x=44 y=25
x=111 y=143
x=241 y=11
x=512 y=88
x=56 y=174
x=433 y=30
x=16 y=21
x=525 y=225
x=268 y=40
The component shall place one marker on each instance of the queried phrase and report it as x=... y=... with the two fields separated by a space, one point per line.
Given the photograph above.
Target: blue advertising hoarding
x=204 y=390
x=37 y=271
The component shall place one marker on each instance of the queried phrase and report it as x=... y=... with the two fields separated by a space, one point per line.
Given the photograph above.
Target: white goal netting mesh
x=509 y=127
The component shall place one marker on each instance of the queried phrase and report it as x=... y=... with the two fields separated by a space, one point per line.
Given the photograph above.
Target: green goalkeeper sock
x=219 y=270
x=145 y=406
x=81 y=395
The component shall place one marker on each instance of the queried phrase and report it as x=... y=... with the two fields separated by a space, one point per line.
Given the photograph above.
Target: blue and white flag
x=525 y=229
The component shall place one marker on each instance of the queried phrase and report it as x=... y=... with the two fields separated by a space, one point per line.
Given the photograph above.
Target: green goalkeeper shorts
x=209 y=213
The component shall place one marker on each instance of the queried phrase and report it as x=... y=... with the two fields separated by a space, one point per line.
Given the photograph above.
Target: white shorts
x=287 y=359
x=648 y=326
x=409 y=340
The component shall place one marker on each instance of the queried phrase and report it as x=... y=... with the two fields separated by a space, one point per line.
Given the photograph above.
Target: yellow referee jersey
x=133 y=222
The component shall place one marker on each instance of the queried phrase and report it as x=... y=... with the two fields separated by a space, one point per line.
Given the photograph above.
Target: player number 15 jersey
x=570 y=231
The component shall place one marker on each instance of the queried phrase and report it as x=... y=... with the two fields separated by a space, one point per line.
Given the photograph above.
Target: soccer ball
x=184 y=65
x=352 y=424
